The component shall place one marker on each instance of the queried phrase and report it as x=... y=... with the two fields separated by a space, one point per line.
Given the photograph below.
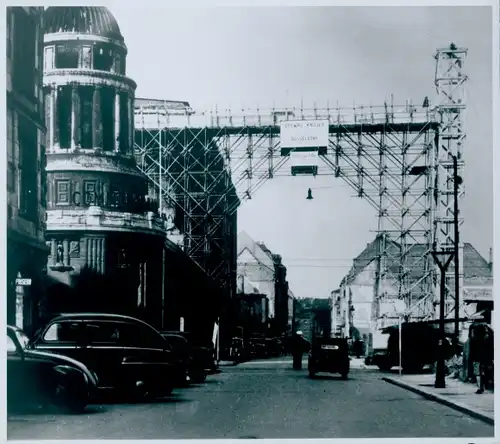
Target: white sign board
x=304 y=133
x=23 y=282
x=304 y=159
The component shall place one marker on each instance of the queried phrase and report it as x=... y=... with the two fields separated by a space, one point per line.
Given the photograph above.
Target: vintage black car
x=329 y=355
x=201 y=355
x=128 y=355
x=38 y=378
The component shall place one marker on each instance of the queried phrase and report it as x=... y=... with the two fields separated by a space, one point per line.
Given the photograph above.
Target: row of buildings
x=83 y=233
x=353 y=302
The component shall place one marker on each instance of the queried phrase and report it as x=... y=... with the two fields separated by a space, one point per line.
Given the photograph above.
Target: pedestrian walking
x=298 y=347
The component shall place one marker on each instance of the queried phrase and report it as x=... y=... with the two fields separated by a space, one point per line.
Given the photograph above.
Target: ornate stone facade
x=105 y=237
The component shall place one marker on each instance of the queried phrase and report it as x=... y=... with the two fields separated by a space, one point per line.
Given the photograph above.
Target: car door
x=63 y=337
x=15 y=373
x=142 y=344
x=103 y=351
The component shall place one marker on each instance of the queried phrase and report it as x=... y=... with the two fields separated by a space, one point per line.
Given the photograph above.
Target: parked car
x=128 y=355
x=181 y=350
x=202 y=356
x=330 y=355
x=419 y=343
x=35 y=377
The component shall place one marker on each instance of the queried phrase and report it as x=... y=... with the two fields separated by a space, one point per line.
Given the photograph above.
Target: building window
x=86 y=103
x=124 y=122
x=107 y=116
x=86 y=58
x=67 y=56
x=28 y=160
x=89 y=190
x=43 y=177
x=62 y=192
x=11 y=176
x=24 y=40
x=118 y=64
x=10 y=32
x=49 y=58
x=103 y=57
x=64 y=115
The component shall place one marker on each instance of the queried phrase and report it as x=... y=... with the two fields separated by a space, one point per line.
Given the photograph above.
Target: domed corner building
x=105 y=237
x=108 y=251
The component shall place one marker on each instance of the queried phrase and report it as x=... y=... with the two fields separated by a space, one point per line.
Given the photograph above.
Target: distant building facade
x=26 y=249
x=266 y=272
x=353 y=303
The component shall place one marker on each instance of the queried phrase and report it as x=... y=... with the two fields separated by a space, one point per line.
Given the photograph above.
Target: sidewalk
x=457 y=394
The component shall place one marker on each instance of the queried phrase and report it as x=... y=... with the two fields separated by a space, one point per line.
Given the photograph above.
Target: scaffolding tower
x=398 y=158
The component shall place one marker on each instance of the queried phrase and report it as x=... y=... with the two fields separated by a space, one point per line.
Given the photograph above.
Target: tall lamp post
x=443 y=259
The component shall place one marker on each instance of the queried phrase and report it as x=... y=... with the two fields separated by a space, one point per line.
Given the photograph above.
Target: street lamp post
x=443 y=264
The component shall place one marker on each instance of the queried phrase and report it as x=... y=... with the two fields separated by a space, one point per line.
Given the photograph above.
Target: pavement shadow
x=329 y=378
x=50 y=410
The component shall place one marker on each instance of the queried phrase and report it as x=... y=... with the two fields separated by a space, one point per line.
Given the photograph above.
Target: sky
x=244 y=57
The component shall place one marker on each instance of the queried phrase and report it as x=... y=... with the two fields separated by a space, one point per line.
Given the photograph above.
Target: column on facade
x=96 y=119
x=130 y=117
x=117 y=121
x=55 y=118
x=95 y=254
x=53 y=251
x=52 y=119
x=75 y=117
x=66 y=252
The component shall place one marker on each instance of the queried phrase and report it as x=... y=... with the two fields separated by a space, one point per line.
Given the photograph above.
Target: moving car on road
x=35 y=377
x=329 y=355
x=127 y=354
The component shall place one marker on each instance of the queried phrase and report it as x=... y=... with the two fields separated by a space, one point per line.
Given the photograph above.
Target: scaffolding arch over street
x=397 y=158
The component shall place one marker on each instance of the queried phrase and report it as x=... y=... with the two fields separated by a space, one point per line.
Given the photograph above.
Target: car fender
x=73 y=375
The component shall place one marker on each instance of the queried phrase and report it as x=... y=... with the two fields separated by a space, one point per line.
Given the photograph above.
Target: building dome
x=94 y=20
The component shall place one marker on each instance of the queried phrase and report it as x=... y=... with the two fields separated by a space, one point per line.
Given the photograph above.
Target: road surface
x=264 y=399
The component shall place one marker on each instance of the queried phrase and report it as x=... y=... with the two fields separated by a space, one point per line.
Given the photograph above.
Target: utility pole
x=440 y=381
x=457 y=180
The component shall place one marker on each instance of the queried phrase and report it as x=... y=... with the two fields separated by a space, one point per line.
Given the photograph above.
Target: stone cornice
x=59 y=77
x=97 y=219
x=81 y=161
x=73 y=36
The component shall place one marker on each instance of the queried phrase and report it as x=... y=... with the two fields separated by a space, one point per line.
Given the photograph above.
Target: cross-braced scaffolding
x=395 y=157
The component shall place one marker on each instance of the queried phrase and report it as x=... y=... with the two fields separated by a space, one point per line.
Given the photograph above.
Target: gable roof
x=245 y=242
x=476 y=268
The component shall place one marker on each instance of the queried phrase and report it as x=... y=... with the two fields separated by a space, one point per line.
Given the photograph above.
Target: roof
x=476 y=268
x=245 y=242
x=94 y=20
x=96 y=316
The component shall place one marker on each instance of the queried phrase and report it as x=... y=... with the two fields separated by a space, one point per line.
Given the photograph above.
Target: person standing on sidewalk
x=478 y=354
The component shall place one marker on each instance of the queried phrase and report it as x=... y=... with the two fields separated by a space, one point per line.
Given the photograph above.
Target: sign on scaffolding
x=304 y=140
x=304 y=163
x=303 y=135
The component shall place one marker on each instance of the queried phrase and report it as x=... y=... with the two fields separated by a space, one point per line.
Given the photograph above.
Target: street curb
x=442 y=400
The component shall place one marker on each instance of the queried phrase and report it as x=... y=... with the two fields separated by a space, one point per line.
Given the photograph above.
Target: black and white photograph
x=291 y=205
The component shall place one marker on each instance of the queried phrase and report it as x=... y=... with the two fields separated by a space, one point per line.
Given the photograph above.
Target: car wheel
x=69 y=400
x=344 y=375
x=198 y=377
